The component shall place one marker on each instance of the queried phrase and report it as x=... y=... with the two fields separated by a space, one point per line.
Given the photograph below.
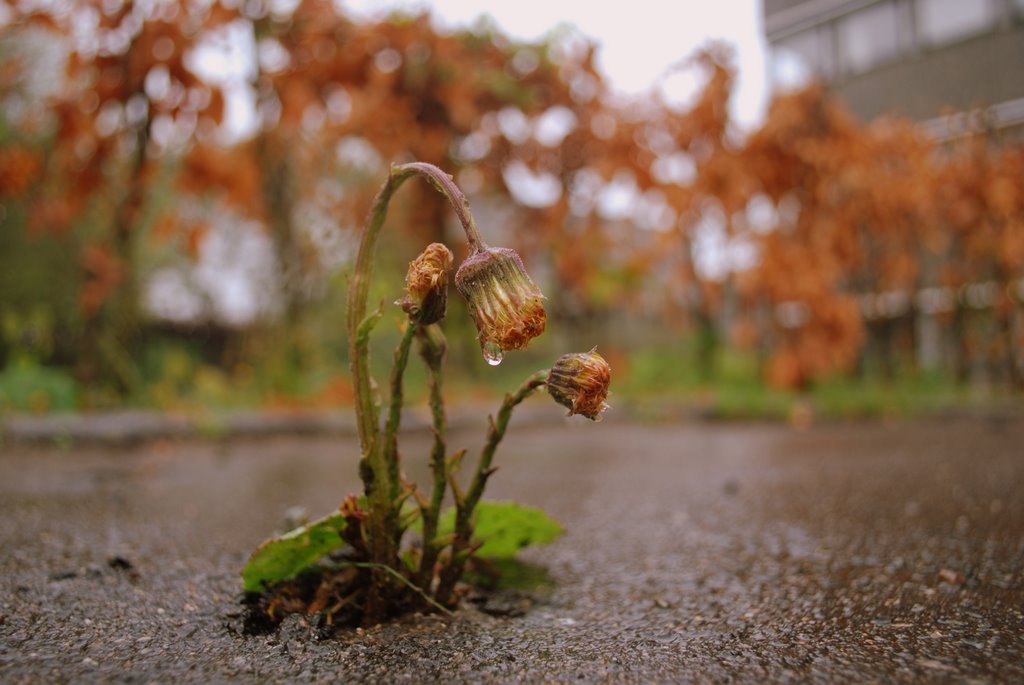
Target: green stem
x=375 y=471
x=372 y=468
x=432 y=349
x=394 y=421
x=398 y=576
x=461 y=547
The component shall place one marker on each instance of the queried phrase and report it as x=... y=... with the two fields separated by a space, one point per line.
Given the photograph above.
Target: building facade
x=918 y=58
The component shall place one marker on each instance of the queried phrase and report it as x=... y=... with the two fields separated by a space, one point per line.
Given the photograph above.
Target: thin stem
x=398 y=576
x=461 y=548
x=375 y=470
x=358 y=294
x=372 y=468
x=394 y=420
x=495 y=434
x=359 y=288
x=444 y=184
x=432 y=349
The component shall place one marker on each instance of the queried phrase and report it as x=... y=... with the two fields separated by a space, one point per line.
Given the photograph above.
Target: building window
x=944 y=21
x=868 y=37
x=799 y=58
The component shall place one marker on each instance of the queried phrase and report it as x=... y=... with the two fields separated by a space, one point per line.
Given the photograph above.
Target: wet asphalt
x=695 y=553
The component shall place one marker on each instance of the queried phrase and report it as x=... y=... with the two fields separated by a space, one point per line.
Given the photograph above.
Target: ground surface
x=697 y=553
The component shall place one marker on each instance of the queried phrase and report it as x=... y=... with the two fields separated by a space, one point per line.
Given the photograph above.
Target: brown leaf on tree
x=103 y=273
x=20 y=167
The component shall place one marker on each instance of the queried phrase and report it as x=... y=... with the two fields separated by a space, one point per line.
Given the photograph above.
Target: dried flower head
x=579 y=381
x=427 y=285
x=505 y=304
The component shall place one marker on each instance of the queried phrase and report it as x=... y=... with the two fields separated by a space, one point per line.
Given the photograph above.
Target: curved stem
x=359 y=286
x=374 y=469
x=444 y=184
x=358 y=324
x=464 y=506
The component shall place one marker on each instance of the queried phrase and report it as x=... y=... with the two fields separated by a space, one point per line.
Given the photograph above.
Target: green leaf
x=288 y=555
x=506 y=527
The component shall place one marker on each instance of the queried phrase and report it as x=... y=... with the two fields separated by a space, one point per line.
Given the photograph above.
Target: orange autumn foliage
x=856 y=210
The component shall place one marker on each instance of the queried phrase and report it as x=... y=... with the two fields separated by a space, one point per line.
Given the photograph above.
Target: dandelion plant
x=358 y=564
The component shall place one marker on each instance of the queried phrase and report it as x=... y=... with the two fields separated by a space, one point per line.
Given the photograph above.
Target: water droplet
x=493 y=353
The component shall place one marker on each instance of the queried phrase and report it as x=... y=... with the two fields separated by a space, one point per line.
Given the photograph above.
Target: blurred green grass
x=27 y=386
x=663 y=382
x=656 y=383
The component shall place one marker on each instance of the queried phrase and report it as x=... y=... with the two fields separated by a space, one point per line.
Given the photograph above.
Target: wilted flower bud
x=427 y=285
x=505 y=304
x=579 y=381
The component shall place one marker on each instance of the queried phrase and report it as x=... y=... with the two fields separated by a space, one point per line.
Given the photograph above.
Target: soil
x=699 y=552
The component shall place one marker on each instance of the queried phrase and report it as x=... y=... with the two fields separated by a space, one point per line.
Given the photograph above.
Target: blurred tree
x=813 y=239
x=125 y=97
x=336 y=101
x=982 y=252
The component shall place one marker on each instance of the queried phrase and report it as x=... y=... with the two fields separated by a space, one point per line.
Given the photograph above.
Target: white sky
x=639 y=40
